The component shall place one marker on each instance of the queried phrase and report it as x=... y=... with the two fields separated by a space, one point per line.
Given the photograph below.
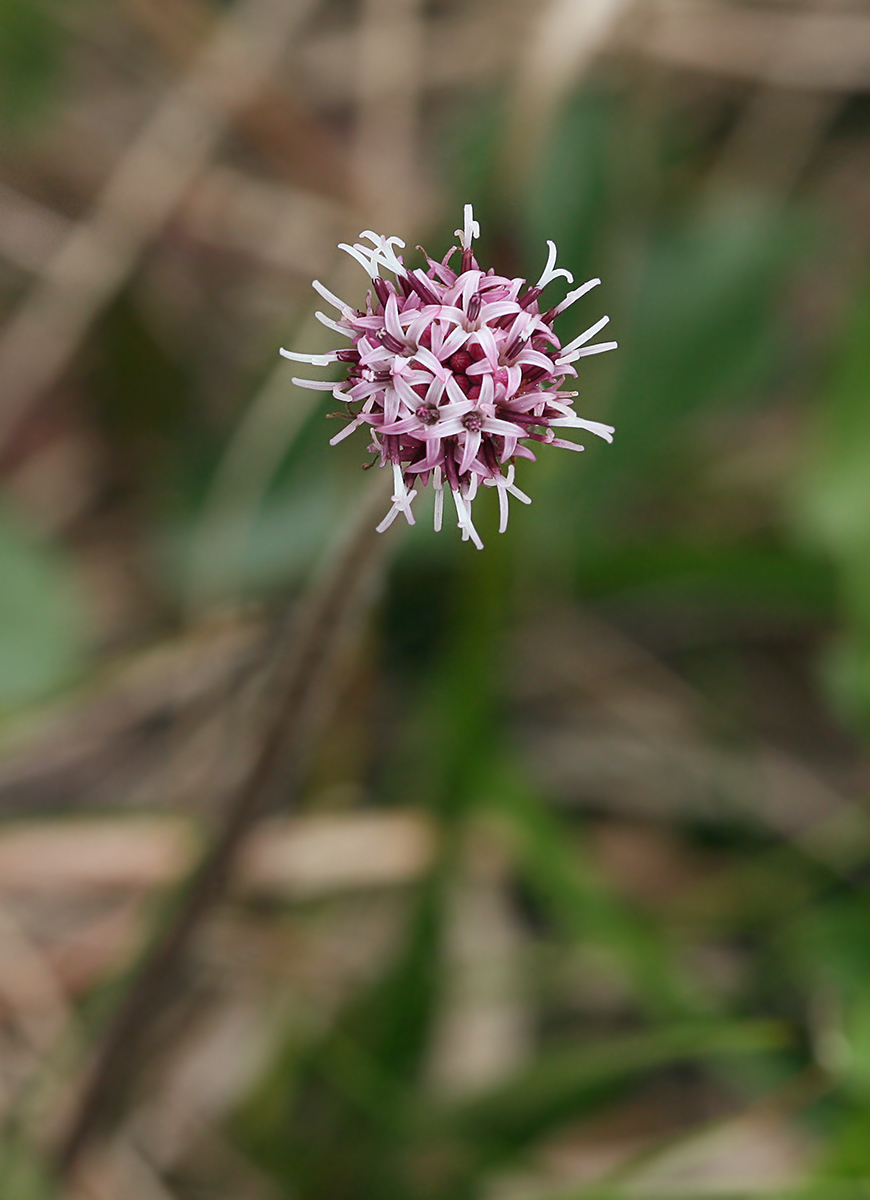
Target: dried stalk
x=303 y=682
x=141 y=195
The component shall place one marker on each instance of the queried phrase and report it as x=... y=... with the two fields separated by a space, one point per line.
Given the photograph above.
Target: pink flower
x=453 y=372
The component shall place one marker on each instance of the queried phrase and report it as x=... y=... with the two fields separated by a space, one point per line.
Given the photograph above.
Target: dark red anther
x=489 y=455
x=460 y=361
x=522 y=418
x=504 y=321
x=473 y=309
x=530 y=297
x=467 y=259
x=383 y=292
x=450 y=468
x=533 y=374
x=349 y=356
x=390 y=342
x=515 y=347
x=422 y=289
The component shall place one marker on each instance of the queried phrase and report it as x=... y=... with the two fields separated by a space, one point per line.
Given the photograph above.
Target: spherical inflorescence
x=453 y=372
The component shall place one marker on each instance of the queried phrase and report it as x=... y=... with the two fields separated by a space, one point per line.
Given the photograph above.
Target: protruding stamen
x=384 y=252
x=582 y=338
x=585 y=351
x=569 y=299
x=438 y=484
x=551 y=271
x=470 y=229
x=315 y=385
x=334 y=325
x=330 y=298
x=316 y=360
x=367 y=259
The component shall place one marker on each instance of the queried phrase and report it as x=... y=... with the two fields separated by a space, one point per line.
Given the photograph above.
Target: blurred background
x=561 y=887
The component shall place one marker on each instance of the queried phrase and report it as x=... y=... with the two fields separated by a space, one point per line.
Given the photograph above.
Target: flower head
x=453 y=371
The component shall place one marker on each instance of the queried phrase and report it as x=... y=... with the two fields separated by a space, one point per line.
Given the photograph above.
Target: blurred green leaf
x=565 y=881
x=41 y=616
x=832 y=506
x=829 y=946
x=22 y=1176
x=702 y=329
x=332 y=1117
x=567 y=200
x=565 y=1084
x=30 y=40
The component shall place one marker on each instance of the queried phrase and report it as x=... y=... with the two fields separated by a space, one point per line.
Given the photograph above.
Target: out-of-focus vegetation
x=568 y=897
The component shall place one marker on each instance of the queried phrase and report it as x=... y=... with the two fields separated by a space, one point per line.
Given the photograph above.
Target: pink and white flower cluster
x=453 y=371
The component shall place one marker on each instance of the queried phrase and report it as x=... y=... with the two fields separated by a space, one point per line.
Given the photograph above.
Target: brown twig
x=302 y=684
x=142 y=193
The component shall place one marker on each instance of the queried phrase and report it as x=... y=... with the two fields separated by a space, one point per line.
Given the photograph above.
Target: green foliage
x=832 y=506
x=41 y=616
x=30 y=42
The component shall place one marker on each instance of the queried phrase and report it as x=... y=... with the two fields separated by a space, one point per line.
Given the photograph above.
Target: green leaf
x=571 y=1081
x=566 y=883
x=29 y=56
x=41 y=616
x=832 y=507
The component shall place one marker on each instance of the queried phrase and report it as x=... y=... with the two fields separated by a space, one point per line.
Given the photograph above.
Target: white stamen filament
x=349 y=428
x=315 y=385
x=438 y=485
x=585 y=351
x=316 y=360
x=582 y=338
x=551 y=271
x=384 y=252
x=465 y=519
x=575 y=295
x=470 y=229
x=331 y=298
x=596 y=427
x=330 y=324
x=367 y=259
